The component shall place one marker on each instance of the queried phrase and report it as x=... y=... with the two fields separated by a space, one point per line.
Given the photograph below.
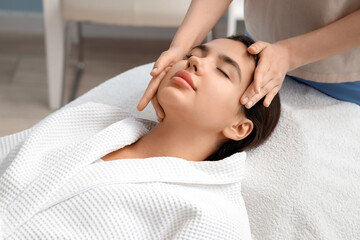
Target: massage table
x=302 y=183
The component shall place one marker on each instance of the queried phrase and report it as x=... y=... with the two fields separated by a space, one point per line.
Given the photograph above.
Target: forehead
x=238 y=52
x=234 y=49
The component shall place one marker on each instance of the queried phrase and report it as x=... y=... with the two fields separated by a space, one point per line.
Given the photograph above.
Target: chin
x=173 y=100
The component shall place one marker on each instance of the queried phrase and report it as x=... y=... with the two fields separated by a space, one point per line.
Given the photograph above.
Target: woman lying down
x=95 y=172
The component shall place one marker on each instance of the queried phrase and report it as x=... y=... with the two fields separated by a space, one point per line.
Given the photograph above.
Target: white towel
x=51 y=189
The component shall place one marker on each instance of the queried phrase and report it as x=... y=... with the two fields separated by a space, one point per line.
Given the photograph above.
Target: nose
x=194 y=63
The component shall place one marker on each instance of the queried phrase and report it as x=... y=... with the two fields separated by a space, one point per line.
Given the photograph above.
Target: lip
x=184 y=75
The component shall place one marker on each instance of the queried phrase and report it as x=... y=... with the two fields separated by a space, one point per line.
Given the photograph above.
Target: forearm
x=200 y=18
x=337 y=37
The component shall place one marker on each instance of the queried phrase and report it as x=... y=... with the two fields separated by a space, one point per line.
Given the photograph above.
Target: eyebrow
x=205 y=49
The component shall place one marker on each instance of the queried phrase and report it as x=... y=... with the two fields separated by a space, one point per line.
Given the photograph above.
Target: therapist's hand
x=161 y=66
x=150 y=94
x=167 y=59
x=269 y=74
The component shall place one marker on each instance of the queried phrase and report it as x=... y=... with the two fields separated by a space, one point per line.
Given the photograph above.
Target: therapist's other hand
x=269 y=74
x=150 y=94
x=167 y=59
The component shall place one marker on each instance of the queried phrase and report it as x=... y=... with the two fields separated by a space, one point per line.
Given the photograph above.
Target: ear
x=238 y=130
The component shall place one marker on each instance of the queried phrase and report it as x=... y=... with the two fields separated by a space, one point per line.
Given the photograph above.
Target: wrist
x=294 y=58
x=184 y=40
x=180 y=51
x=178 y=48
x=181 y=46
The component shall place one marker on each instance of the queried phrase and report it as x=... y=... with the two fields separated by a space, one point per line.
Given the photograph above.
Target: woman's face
x=215 y=101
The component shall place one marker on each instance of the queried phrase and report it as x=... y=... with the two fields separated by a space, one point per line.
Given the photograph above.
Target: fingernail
x=245 y=100
x=250 y=103
x=154 y=70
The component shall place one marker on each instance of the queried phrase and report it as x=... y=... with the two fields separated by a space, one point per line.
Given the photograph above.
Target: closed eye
x=223 y=72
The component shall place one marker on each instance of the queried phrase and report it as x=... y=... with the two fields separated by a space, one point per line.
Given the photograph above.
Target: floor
x=23 y=87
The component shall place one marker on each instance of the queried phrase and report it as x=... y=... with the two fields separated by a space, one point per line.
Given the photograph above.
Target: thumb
x=156 y=69
x=163 y=61
x=257 y=47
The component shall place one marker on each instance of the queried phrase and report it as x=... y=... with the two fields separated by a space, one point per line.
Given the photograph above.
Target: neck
x=174 y=139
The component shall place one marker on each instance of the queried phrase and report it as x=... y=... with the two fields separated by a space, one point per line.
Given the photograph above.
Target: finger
x=160 y=64
x=158 y=109
x=265 y=90
x=167 y=69
x=270 y=96
x=249 y=92
x=256 y=85
x=261 y=72
x=154 y=71
x=257 y=47
x=150 y=91
x=148 y=95
x=160 y=119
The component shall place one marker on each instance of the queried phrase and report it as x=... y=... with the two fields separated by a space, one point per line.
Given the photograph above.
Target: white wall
x=32 y=22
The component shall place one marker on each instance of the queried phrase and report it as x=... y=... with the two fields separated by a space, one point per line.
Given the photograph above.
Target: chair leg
x=55 y=51
x=80 y=62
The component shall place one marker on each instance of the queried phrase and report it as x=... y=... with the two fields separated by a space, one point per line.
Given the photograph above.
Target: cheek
x=211 y=107
x=167 y=78
x=216 y=105
x=170 y=98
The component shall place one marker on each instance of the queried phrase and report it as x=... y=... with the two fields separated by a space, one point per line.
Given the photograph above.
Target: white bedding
x=303 y=183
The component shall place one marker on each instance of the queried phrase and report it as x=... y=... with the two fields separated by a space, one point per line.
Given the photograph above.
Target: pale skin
x=199 y=121
x=275 y=59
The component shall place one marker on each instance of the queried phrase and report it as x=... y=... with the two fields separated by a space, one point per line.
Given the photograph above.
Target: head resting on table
x=221 y=70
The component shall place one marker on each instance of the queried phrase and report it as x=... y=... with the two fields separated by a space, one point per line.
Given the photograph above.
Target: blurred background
x=79 y=44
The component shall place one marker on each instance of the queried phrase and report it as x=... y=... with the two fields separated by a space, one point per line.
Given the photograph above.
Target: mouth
x=183 y=78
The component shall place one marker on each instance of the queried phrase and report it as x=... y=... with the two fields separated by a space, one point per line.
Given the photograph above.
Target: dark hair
x=264 y=119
